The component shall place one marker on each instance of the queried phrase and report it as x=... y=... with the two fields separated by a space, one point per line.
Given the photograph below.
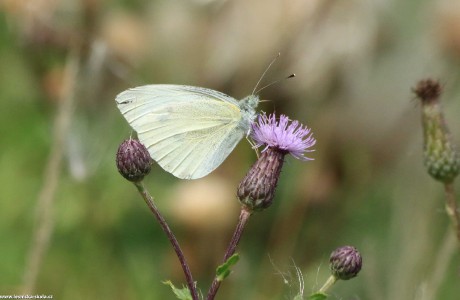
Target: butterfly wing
x=189 y=131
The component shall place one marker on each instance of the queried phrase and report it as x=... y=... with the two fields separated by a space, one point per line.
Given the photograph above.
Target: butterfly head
x=249 y=103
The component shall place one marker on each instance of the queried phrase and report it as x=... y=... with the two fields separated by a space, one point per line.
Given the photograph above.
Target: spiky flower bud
x=133 y=160
x=345 y=262
x=257 y=189
x=440 y=155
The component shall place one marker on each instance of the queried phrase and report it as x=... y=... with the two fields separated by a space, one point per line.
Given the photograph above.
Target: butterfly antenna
x=276 y=81
x=263 y=74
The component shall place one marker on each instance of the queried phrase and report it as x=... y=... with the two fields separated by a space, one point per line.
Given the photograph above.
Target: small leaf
x=182 y=294
x=224 y=269
x=317 y=296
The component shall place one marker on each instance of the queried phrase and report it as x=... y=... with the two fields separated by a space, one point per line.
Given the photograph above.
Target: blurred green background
x=62 y=64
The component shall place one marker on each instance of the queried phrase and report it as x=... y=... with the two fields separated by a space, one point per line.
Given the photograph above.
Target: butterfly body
x=189 y=131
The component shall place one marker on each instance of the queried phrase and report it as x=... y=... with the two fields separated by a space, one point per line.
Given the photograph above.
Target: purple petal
x=292 y=137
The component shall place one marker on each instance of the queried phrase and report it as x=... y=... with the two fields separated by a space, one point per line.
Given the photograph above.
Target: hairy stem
x=175 y=244
x=243 y=220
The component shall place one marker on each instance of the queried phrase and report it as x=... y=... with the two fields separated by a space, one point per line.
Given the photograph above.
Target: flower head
x=345 y=262
x=441 y=157
x=428 y=90
x=257 y=190
x=133 y=160
x=291 y=138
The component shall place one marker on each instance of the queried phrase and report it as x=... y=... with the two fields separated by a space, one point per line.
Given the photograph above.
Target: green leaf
x=224 y=269
x=182 y=294
x=317 y=296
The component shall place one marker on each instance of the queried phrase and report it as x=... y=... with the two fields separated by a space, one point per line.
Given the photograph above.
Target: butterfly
x=189 y=131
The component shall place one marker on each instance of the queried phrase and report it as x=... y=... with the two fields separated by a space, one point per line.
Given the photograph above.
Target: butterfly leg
x=253 y=145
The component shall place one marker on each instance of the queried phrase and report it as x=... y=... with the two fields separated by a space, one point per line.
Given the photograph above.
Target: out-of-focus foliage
x=355 y=62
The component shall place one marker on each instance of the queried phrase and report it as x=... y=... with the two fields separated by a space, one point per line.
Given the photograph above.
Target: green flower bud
x=440 y=155
x=133 y=160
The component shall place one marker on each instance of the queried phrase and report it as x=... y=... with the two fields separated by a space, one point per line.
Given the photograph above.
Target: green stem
x=451 y=208
x=243 y=220
x=175 y=244
x=45 y=218
x=443 y=260
x=330 y=281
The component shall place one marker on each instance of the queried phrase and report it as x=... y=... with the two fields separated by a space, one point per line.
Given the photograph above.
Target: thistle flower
x=133 y=160
x=440 y=156
x=280 y=137
x=289 y=138
x=345 y=262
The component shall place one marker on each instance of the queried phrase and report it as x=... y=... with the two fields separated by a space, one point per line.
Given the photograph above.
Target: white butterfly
x=189 y=131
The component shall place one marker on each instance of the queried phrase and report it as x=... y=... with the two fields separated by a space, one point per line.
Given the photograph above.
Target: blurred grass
x=355 y=61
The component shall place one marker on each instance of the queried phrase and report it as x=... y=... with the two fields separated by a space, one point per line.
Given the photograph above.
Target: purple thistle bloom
x=292 y=138
x=257 y=190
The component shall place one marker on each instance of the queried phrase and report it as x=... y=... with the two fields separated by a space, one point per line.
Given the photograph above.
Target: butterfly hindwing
x=189 y=131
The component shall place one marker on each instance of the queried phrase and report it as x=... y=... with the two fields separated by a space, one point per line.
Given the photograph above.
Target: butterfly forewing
x=188 y=130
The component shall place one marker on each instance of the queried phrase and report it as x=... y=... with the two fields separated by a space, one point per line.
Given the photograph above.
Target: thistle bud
x=440 y=155
x=133 y=160
x=257 y=189
x=345 y=262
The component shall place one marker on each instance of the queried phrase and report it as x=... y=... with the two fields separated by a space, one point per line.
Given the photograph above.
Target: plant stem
x=448 y=245
x=44 y=226
x=175 y=244
x=444 y=256
x=451 y=208
x=243 y=220
x=330 y=281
